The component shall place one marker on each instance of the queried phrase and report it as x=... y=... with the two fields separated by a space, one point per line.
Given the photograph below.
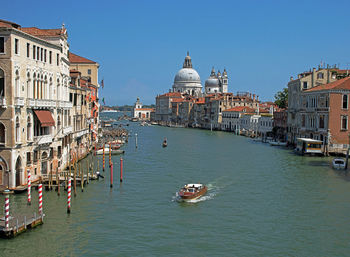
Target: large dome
x=187 y=75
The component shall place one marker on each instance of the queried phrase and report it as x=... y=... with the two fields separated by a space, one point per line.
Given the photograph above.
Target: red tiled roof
x=178 y=94
x=177 y=100
x=240 y=109
x=339 y=84
x=145 y=109
x=43 y=32
x=8 y=24
x=73 y=58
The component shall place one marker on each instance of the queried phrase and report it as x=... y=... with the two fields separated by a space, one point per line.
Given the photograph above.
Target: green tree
x=281 y=98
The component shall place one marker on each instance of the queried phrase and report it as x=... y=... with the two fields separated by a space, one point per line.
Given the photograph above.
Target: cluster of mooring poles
x=12 y=226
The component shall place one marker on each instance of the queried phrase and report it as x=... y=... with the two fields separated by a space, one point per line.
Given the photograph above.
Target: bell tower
x=224 y=82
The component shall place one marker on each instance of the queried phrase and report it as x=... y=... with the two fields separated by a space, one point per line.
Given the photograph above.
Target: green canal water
x=262 y=201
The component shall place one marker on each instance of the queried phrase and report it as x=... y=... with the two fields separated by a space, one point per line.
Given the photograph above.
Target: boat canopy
x=309 y=140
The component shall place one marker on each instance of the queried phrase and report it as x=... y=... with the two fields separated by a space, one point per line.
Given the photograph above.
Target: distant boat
x=339 y=163
x=278 y=143
x=116 y=151
x=192 y=192
x=165 y=143
x=109 y=111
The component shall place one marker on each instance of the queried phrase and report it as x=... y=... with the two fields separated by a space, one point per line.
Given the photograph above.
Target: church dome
x=212 y=82
x=187 y=75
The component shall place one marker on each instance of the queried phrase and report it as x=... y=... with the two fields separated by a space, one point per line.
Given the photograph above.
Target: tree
x=281 y=98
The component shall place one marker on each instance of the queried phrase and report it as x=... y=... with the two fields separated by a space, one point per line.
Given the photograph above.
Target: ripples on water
x=261 y=201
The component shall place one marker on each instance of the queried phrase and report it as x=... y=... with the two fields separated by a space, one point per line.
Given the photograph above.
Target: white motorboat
x=115 y=151
x=278 y=143
x=339 y=163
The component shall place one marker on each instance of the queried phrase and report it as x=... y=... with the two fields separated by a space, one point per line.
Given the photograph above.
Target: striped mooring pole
x=40 y=199
x=110 y=154
x=103 y=155
x=69 y=193
x=7 y=209
x=29 y=188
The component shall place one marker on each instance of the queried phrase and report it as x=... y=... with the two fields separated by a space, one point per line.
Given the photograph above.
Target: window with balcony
x=2 y=45
x=344 y=122
x=345 y=101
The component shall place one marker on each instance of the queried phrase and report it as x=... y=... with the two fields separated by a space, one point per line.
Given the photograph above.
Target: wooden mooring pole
x=58 y=182
x=121 y=169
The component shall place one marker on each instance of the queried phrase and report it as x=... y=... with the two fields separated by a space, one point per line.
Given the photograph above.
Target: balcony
x=19 y=101
x=2 y=102
x=45 y=139
x=41 y=103
x=67 y=130
x=81 y=133
x=64 y=104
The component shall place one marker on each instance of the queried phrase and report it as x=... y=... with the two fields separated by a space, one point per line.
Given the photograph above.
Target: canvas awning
x=45 y=118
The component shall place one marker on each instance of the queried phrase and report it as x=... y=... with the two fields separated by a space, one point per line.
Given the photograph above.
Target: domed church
x=187 y=79
x=216 y=83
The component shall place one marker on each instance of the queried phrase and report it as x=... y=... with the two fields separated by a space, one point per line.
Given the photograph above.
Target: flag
x=103 y=101
x=102 y=83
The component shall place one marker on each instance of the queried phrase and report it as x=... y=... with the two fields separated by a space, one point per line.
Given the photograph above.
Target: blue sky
x=141 y=45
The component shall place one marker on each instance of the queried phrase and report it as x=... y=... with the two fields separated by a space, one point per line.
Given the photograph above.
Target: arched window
x=34 y=86
x=2 y=83
x=58 y=89
x=17 y=130
x=28 y=85
x=41 y=87
x=139 y=114
x=58 y=123
x=45 y=88
x=147 y=115
x=50 y=89
x=2 y=133
x=29 y=129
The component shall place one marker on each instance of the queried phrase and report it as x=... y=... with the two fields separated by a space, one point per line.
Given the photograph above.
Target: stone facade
x=34 y=70
x=305 y=81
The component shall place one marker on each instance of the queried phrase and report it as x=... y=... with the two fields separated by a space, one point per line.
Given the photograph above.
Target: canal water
x=262 y=201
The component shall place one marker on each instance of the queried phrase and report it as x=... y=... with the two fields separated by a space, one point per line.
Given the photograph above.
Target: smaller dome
x=212 y=82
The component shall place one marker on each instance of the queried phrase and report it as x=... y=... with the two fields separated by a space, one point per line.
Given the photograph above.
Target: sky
x=141 y=45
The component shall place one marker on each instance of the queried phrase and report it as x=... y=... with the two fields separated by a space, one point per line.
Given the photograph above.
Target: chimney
x=299 y=76
x=257 y=98
x=291 y=78
x=254 y=97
